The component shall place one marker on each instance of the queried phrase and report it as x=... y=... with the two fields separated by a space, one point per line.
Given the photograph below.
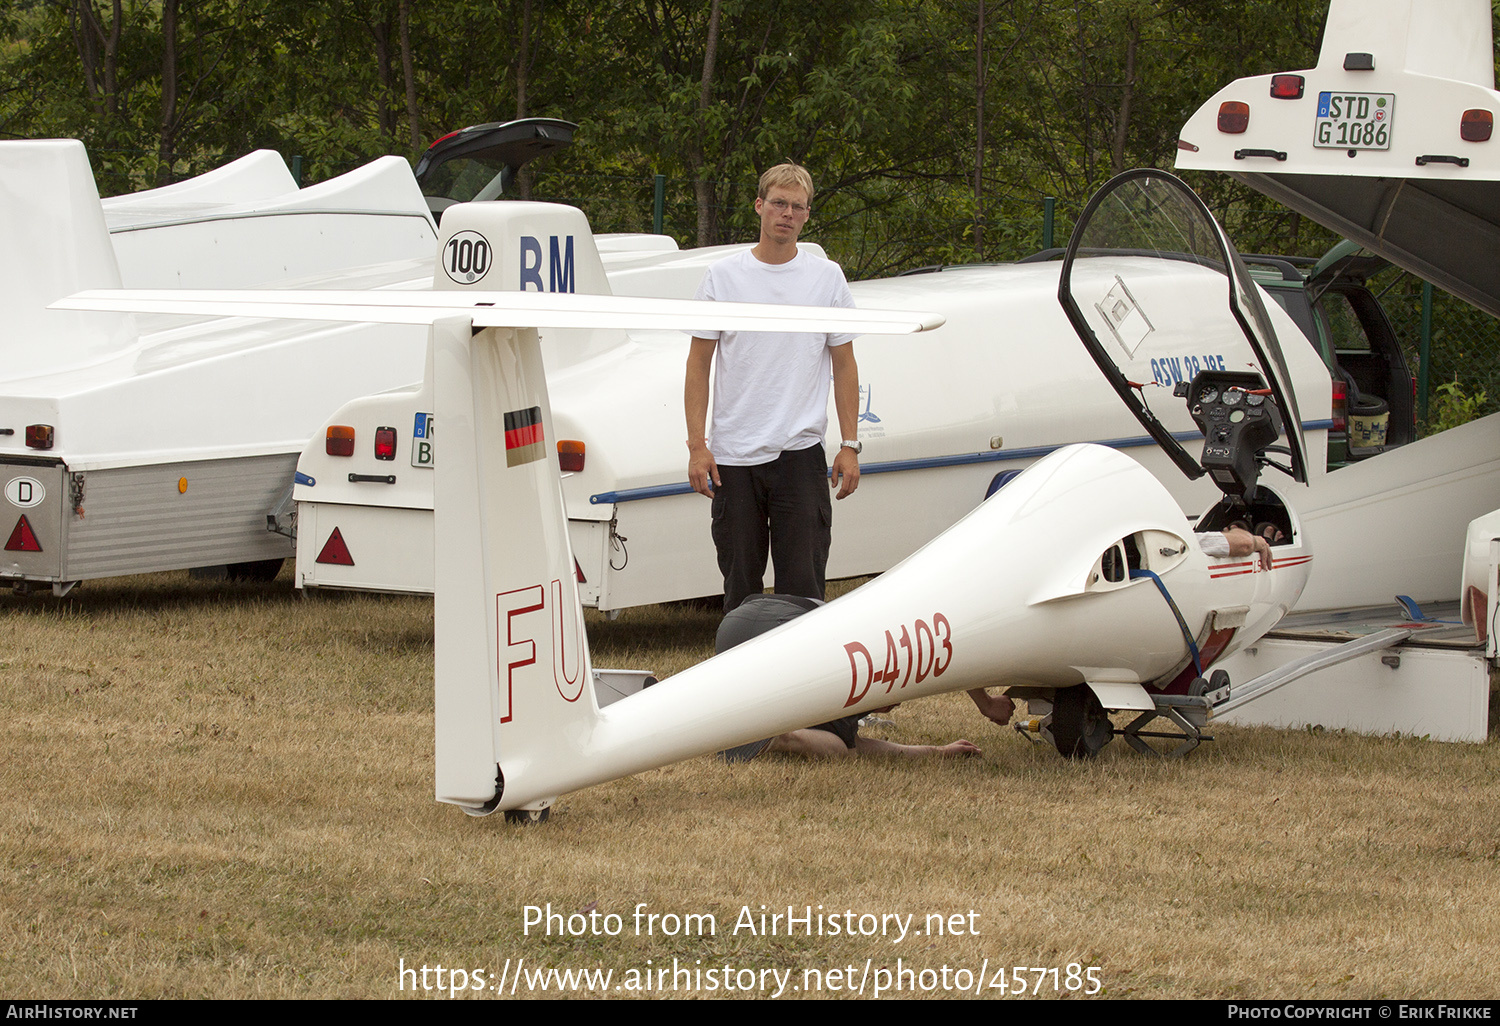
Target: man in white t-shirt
x=761 y=461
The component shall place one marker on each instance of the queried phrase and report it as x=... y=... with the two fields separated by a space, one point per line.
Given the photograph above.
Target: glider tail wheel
x=1080 y=726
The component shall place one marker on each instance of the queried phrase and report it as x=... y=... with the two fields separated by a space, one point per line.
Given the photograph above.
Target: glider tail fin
x=56 y=244
x=512 y=662
x=517 y=246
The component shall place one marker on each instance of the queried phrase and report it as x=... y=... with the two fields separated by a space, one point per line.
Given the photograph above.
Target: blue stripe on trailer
x=931 y=462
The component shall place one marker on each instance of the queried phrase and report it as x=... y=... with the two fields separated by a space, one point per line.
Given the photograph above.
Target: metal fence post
x=658 y=202
x=1049 y=208
x=1424 y=358
x=297 y=170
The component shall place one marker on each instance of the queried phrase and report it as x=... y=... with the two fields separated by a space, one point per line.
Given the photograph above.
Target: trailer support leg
x=1191 y=735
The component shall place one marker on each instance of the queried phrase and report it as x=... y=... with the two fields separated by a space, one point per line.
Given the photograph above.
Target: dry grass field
x=222 y=791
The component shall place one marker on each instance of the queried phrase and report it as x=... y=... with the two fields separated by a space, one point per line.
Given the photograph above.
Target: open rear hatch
x=481 y=161
x=1389 y=141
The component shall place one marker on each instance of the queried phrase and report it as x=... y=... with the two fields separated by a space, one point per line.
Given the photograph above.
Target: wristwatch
x=854 y=444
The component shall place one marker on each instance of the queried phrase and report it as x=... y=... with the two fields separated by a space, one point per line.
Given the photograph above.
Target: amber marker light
x=1234 y=116
x=38 y=436
x=1477 y=125
x=340 y=440
x=570 y=455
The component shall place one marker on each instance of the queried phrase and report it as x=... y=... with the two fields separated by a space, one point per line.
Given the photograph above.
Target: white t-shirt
x=771 y=387
x=1213 y=543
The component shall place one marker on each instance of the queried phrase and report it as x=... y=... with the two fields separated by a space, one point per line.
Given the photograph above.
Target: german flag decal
x=523 y=437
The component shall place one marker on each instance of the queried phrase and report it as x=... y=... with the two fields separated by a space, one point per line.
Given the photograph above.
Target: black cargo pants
x=783 y=509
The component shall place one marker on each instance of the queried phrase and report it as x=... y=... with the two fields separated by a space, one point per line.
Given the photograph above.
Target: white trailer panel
x=1434 y=692
x=169 y=515
x=170 y=439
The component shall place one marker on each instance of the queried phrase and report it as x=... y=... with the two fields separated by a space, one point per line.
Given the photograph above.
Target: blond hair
x=786 y=176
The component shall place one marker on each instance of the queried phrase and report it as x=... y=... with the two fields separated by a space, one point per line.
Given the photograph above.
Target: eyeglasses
x=781 y=206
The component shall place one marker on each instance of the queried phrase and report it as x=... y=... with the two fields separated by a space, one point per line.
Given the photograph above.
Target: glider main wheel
x=528 y=817
x=1080 y=726
x=1216 y=681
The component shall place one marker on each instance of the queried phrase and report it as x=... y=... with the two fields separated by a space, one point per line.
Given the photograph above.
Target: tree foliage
x=881 y=98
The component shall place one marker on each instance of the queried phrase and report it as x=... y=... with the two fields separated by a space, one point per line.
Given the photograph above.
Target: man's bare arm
x=995 y=708
x=1243 y=543
x=703 y=471
x=846 y=404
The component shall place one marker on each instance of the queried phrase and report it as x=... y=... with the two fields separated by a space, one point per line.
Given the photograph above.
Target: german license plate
x=1354 y=121
x=421 y=441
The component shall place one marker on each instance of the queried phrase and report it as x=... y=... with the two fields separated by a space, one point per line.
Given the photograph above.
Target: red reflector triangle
x=335 y=551
x=22 y=539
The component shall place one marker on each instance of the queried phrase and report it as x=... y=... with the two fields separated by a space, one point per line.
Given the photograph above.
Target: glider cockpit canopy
x=1139 y=224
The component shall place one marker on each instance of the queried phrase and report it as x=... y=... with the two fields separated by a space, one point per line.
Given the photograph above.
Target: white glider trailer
x=1388 y=141
x=135 y=444
x=1002 y=383
x=999 y=385
x=1080 y=583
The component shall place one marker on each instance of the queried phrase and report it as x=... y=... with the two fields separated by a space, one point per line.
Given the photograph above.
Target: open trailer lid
x=1144 y=223
x=1388 y=141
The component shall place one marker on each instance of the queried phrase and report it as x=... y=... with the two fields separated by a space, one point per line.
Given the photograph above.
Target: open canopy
x=1139 y=225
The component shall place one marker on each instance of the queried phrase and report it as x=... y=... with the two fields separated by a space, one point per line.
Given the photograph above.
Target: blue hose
x=1187 y=635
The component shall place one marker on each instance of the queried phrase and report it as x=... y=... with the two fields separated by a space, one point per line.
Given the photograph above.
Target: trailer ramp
x=1434 y=683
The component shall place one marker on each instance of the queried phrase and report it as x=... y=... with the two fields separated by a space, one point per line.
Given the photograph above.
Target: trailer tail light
x=340 y=441
x=1476 y=125
x=1286 y=87
x=385 y=443
x=1234 y=117
x=1340 y=406
x=38 y=436
x=570 y=455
